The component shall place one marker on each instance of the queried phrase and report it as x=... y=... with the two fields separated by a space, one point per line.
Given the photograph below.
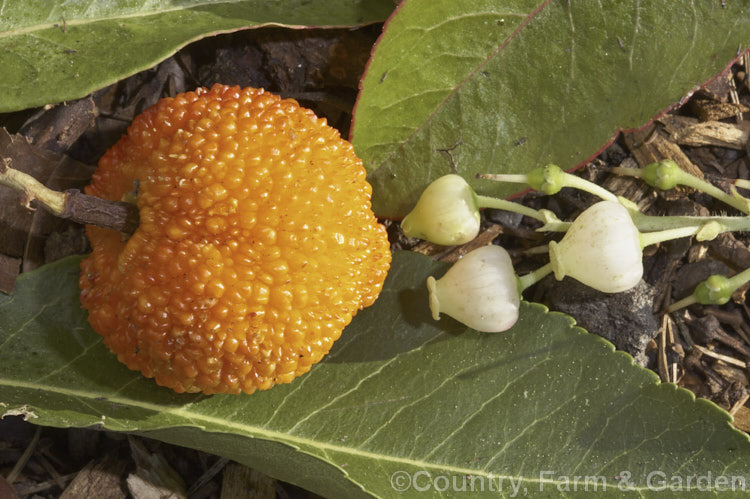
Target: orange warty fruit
x=256 y=247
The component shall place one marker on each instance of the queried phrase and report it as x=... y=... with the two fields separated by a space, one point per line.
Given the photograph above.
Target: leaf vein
x=485 y=404
x=343 y=394
x=82 y=21
x=67 y=364
x=636 y=25
x=25 y=324
x=689 y=50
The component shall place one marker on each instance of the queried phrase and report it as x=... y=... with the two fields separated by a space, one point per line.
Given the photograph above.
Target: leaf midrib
x=193 y=419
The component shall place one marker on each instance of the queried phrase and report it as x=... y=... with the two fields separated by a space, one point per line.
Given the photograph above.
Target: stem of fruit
x=30 y=189
x=532 y=278
x=503 y=204
x=72 y=204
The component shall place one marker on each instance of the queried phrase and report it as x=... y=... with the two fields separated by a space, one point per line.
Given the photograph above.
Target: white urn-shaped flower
x=602 y=249
x=480 y=290
x=446 y=213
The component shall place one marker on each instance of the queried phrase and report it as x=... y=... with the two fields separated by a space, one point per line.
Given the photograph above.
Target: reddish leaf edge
x=623 y=131
x=677 y=105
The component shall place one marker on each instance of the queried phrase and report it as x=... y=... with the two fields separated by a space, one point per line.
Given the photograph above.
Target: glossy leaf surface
x=505 y=86
x=400 y=395
x=61 y=50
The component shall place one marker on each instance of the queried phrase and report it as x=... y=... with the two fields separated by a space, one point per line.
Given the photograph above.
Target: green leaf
x=505 y=86
x=63 y=50
x=398 y=393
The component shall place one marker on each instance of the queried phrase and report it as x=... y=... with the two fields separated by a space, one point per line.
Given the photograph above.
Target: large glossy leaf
x=59 y=50
x=509 y=85
x=399 y=393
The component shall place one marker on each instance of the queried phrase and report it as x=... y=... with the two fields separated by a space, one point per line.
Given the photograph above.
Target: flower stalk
x=528 y=280
x=716 y=290
x=667 y=175
x=649 y=238
x=550 y=180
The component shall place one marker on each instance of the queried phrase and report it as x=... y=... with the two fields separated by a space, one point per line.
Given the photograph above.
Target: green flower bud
x=663 y=175
x=547 y=179
x=446 y=213
x=716 y=290
x=602 y=249
x=480 y=290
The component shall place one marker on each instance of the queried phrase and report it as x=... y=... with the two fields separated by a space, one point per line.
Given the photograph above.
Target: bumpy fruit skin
x=257 y=244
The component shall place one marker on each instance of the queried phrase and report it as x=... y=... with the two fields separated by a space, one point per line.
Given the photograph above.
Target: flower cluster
x=602 y=247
